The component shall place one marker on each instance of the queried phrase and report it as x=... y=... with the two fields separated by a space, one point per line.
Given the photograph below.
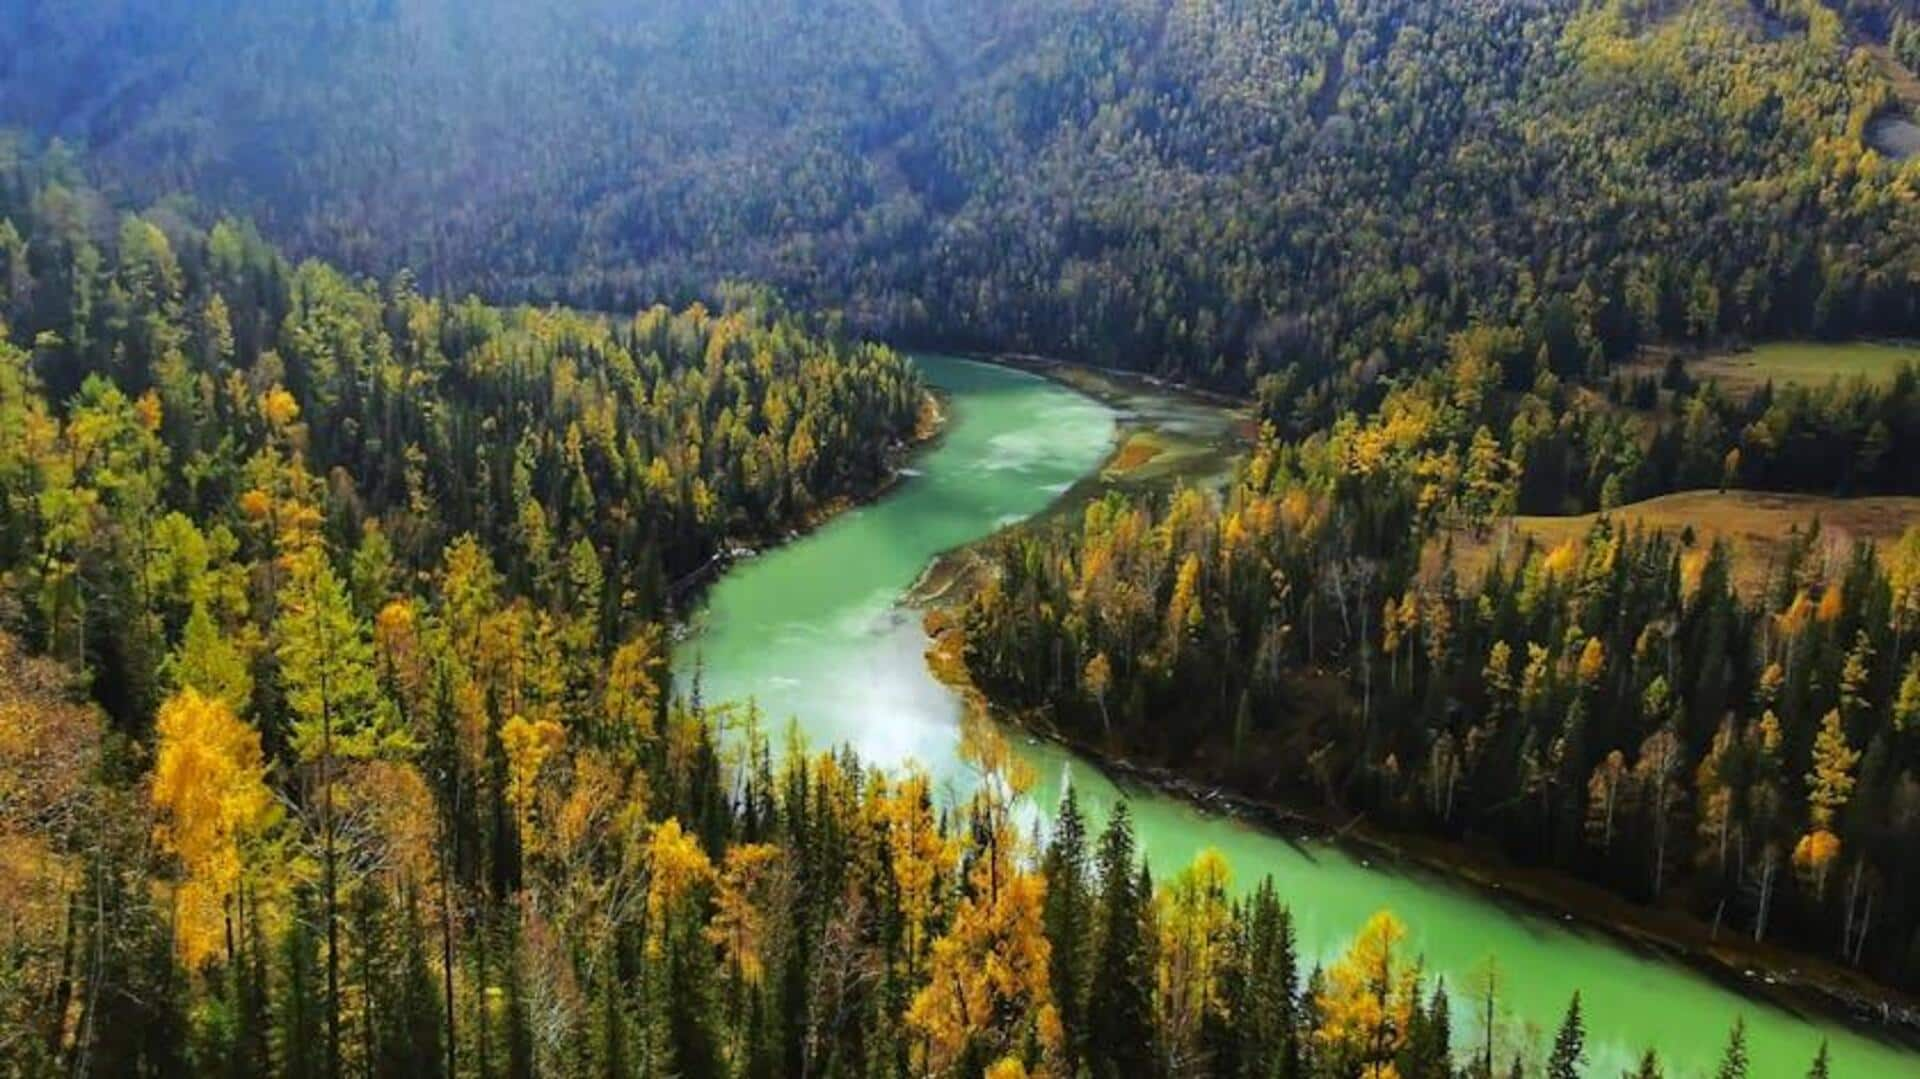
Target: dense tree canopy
x=1615 y=706
x=337 y=728
x=1217 y=190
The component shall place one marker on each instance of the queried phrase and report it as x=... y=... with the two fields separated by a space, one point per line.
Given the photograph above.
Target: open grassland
x=1805 y=363
x=1755 y=525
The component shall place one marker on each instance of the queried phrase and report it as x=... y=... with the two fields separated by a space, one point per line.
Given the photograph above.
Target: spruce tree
x=1266 y=1022
x=1569 y=1046
x=1733 y=1062
x=1821 y=1067
x=1068 y=917
x=1119 y=1008
x=1429 y=1050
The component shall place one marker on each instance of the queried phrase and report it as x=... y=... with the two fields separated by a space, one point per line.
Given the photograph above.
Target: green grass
x=1804 y=363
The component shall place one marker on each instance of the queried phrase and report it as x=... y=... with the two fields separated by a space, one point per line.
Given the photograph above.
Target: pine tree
x=1119 y=1008
x=302 y=1043
x=1265 y=1021
x=1069 y=919
x=1733 y=1062
x=1569 y=1045
x=1821 y=1067
x=1436 y=1055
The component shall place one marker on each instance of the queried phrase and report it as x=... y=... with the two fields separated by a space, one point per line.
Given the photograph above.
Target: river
x=815 y=631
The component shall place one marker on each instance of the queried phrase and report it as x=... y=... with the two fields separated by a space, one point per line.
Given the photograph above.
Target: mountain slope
x=1211 y=188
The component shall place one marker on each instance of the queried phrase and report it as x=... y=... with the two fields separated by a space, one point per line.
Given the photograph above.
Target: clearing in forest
x=1755 y=524
x=1809 y=363
x=1783 y=363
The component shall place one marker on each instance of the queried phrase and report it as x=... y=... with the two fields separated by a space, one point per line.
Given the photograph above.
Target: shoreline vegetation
x=1474 y=497
x=1778 y=976
x=687 y=592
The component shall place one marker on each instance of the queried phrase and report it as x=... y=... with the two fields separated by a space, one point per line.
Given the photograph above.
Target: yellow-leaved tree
x=752 y=890
x=678 y=869
x=632 y=695
x=1196 y=937
x=989 y=993
x=209 y=789
x=528 y=745
x=922 y=860
x=1097 y=680
x=1829 y=788
x=1367 y=1006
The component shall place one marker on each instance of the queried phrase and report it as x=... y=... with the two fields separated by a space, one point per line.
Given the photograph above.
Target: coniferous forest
x=385 y=384
x=336 y=733
x=1226 y=192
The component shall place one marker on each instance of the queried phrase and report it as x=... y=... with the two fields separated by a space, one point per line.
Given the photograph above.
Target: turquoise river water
x=816 y=631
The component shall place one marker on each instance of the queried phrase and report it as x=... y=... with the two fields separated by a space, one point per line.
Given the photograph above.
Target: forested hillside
x=337 y=735
x=339 y=732
x=1614 y=706
x=1215 y=190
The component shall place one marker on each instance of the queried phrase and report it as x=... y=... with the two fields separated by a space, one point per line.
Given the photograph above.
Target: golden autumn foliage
x=746 y=904
x=278 y=407
x=49 y=748
x=1693 y=566
x=210 y=793
x=1832 y=605
x=149 y=410
x=632 y=698
x=921 y=858
x=256 y=504
x=1184 y=610
x=1593 y=661
x=1814 y=855
x=400 y=834
x=1195 y=919
x=396 y=642
x=528 y=744
x=1562 y=560
x=49 y=745
x=987 y=983
x=1792 y=621
x=988 y=989
x=1367 y=1007
x=1830 y=783
x=677 y=866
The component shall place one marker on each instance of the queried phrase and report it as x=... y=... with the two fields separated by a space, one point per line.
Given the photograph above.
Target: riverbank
x=929 y=426
x=1170 y=434
x=1096 y=381
x=1167 y=437
x=815 y=633
x=1790 y=980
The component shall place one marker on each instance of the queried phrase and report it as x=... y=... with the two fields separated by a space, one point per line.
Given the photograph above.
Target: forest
x=1613 y=706
x=337 y=734
x=382 y=382
x=1304 y=193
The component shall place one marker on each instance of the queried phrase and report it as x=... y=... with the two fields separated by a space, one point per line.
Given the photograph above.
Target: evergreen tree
x=1733 y=1061
x=1265 y=1015
x=1068 y=918
x=1119 y=1005
x=1820 y=1068
x=1569 y=1045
